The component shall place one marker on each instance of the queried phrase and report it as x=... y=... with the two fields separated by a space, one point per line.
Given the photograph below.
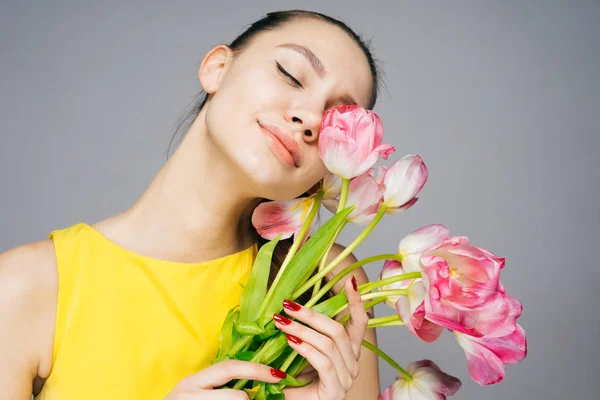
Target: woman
x=131 y=307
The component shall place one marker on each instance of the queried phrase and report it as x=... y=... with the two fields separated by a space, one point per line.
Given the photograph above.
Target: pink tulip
x=365 y=194
x=332 y=184
x=504 y=341
x=350 y=140
x=286 y=217
x=403 y=180
x=428 y=383
x=393 y=268
x=415 y=243
x=412 y=310
x=459 y=278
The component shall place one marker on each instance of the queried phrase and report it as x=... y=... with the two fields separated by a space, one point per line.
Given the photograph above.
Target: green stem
x=343 y=273
x=370 y=304
x=388 y=359
x=375 y=295
x=288 y=361
x=341 y=205
x=369 y=286
x=385 y=321
x=294 y=248
x=343 y=194
x=346 y=252
x=239 y=345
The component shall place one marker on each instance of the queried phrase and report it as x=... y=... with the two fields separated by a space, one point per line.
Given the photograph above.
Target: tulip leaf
x=302 y=264
x=276 y=396
x=273 y=348
x=226 y=338
x=331 y=305
x=274 y=388
x=248 y=328
x=245 y=355
x=268 y=331
x=289 y=380
x=256 y=285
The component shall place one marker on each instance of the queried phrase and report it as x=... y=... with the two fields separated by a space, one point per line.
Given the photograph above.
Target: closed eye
x=288 y=75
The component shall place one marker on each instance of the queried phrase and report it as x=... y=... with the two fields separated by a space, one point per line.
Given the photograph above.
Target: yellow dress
x=130 y=326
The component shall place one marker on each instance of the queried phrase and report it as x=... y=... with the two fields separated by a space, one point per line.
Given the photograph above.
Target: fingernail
x=294 y=339
x=290 y=305
x=281 y=319
x=354 y=284
x=277 y=373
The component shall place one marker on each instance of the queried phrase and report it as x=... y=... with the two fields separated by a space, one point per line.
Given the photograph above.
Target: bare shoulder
x=28 y=294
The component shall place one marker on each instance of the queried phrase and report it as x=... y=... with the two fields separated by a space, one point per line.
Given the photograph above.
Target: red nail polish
x=354 y=284
x=281 y=319
x=290 y=305
x=294 y=339
x=277 y=373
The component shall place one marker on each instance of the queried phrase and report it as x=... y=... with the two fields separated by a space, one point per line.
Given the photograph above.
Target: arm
x=21 y=304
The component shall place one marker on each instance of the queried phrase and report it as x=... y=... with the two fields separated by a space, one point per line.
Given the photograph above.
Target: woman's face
x=274 y=83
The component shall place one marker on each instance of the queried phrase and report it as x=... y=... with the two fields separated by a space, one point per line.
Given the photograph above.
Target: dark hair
x=272 y=21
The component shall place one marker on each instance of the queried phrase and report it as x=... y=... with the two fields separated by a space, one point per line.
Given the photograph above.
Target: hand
x=331 y=348
x=201 y=385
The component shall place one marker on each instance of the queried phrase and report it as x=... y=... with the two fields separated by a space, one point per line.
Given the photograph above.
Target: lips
x=286 y=139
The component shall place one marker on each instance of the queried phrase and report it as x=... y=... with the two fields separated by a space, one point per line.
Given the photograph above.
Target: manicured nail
x=277 y=373
x=354 y=284
x=281 y=319
x=294 y=339
x=290 y=305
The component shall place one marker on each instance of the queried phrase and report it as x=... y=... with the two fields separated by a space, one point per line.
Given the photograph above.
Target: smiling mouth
x=278 y=148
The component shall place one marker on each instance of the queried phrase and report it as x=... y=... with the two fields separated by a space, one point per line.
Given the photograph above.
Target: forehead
x=346 y=64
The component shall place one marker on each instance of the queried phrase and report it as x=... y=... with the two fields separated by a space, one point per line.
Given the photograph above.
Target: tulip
x=503 y=342
x=350 y=140
x=428 y=382
x=459 y=278
x=403 y=180
x=411 y=308
x=366 y=194
x=415 y=243
x=282 y=217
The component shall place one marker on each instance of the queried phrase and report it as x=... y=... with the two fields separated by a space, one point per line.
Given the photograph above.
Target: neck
x=195 y=208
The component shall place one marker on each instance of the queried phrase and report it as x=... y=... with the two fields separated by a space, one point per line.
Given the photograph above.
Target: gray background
x=499 y=98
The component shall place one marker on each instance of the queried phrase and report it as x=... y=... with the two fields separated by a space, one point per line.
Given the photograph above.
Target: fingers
x=221 y=373
x=357 y=324
x=328 y=376
x=324 y=344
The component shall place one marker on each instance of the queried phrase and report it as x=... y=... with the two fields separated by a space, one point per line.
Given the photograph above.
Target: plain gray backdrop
x=500 y=98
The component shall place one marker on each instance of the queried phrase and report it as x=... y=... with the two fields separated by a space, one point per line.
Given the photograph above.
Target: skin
x=225 y=154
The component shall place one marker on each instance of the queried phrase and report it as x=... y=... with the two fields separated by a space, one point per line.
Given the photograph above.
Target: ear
x=213 y=67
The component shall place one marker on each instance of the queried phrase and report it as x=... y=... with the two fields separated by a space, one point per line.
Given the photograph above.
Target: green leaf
x=331 y=305
x=245 y=355
x=273 y=348
x=268 y=331
x=226 y=338
x=297 y=365
x=248 y=328
x=256 y=286
x=302 y=264
x=274 y=388
x=289 y=380
x=277 y=396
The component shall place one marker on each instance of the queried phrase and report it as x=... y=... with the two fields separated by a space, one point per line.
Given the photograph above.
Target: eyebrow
x=317 y=66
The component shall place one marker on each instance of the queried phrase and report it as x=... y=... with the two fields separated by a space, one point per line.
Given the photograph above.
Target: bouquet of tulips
x=434 y=280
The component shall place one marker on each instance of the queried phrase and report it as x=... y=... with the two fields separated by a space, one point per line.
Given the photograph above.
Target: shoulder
x=28 y=294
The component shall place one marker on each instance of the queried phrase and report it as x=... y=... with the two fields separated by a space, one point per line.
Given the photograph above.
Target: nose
x=308 y=123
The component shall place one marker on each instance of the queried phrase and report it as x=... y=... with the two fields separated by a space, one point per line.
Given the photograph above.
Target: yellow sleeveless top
x=130 y=326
